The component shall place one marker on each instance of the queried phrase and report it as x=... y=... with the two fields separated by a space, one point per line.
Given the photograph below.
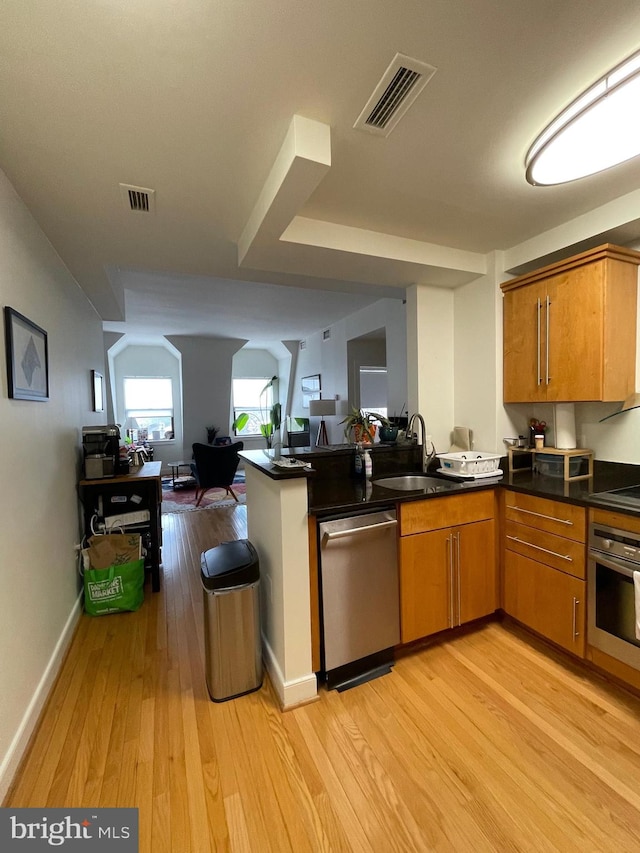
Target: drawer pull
x=540 y=515
x=538 y=548
x=575 y=631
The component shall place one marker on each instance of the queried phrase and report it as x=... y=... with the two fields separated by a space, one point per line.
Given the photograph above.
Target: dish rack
x=469 y=462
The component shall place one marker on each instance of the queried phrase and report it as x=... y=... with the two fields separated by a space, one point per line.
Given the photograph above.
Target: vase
x=364 y=435
x=388 y=434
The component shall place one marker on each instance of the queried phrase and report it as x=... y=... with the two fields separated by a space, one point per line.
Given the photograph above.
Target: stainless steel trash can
x=230 y=575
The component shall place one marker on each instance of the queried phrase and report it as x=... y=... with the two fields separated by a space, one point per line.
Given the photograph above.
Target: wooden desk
x=139 y=490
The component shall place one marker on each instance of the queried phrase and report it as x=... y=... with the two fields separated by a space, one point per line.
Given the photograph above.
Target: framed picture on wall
x=27 y=357
x=97 y=385
x=310 y=389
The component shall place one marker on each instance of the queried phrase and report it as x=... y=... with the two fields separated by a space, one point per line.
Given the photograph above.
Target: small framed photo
x=27 y=357
x=310 y=389
x=97 y=384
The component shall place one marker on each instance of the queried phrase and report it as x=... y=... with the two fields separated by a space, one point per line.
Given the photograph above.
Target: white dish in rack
x=457 y=474
x=469 y=462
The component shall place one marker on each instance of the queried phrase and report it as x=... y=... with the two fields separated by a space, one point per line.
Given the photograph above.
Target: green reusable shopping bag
x=114 y=589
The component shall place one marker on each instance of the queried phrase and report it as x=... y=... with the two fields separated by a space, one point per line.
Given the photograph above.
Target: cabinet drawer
x=615 y=519
x=436 y=513
x=550 y=602
x=556 y=517
x=567 y=555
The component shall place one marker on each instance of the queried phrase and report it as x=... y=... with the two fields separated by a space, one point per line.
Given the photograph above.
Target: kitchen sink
x=417 y=483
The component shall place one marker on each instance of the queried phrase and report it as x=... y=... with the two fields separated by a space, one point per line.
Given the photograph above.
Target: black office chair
x=215 y=468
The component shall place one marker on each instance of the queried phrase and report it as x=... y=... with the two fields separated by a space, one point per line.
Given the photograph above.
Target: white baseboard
x=12 y=758
x=290 y=693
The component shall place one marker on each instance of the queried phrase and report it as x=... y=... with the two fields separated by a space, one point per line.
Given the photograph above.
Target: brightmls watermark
x=80 y=830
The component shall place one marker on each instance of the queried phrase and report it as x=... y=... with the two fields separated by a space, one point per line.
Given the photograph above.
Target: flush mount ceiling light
x=600 y=129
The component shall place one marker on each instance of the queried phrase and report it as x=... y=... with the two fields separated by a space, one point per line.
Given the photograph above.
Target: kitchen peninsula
x=282 y=506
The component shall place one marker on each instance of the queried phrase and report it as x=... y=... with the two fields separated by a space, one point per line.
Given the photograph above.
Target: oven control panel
x=611 y=540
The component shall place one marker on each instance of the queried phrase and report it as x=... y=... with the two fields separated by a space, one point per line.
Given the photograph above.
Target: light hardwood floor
x=483 y=743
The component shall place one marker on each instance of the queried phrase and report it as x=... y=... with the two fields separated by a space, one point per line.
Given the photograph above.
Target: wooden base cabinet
x=447 y=575
x=569 y=329
x=550 y=602
x=544 y=568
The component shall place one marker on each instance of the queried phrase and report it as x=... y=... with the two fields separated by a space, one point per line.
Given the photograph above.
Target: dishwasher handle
x=351 y=531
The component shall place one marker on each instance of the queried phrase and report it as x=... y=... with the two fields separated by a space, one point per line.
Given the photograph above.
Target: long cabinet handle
x=574 y=626
x=450 y=553
x=540 y=515
x=356 y=531
x=548 y=306
x=538 y=548
x=539 y=309
x=458 y=572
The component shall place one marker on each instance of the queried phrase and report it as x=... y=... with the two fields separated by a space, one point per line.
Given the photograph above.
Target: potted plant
x=212 y=432
x=271 y=416
x=388 y=432
x=363 y=424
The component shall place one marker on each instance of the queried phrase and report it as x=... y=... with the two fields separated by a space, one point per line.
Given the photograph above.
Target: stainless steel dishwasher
x=360 y=596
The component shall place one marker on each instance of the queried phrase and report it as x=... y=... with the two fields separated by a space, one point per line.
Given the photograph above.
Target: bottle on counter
x=367 y=464
x=358 y=463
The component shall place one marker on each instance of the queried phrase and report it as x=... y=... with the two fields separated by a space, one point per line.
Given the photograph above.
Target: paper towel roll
x=564 y=418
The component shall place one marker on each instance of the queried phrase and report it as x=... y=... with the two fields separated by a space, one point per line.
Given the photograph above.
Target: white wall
x=329 y=358
x=430 y=360
x=478 y=361
x=40 y=455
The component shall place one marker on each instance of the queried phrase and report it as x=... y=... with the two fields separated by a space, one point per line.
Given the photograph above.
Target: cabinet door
x=571 y=336
x=476 y=577
x=426 y=566
x=551 y=602
x=574 y=348
x=522 y=344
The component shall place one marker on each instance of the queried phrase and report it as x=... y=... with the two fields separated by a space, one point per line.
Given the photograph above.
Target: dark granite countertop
x=332 y=487
x=263 y=460
x=347 y=495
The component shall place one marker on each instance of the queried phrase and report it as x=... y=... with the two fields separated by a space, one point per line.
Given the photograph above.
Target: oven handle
x=609 y=562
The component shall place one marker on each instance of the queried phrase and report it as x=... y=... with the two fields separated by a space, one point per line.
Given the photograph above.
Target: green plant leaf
x=240 y=422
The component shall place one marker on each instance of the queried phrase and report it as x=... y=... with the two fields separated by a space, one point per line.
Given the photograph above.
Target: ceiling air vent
x=400 y=85
x=138 y=199
x=303 y=344
x=326 y=334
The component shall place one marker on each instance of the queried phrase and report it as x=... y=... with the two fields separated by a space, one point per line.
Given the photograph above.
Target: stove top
x=629 y=497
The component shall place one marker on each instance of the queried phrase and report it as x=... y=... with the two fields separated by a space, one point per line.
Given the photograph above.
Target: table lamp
x=320 y=408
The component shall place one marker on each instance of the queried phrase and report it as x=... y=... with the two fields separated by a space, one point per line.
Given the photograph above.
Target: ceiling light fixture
x=598 y=130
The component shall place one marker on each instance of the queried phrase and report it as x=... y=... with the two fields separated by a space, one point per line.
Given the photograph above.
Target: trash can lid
x=229 y=564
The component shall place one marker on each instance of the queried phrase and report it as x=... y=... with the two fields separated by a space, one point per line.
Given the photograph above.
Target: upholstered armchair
x=215 y=467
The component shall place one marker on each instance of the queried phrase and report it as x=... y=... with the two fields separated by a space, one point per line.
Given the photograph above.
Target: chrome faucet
x=426 y=457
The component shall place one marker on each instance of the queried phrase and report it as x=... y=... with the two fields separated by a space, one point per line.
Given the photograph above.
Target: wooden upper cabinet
x=570 y=329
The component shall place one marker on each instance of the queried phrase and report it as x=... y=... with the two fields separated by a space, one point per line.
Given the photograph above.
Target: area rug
x=184 y=498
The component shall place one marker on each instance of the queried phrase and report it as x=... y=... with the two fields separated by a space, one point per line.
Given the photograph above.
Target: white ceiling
x=195 y=100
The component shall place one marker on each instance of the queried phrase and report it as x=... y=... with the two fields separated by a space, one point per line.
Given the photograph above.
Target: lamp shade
x=320 y=408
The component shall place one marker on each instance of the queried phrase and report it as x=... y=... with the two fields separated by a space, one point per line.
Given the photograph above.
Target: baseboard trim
x=290 y=694
x=18 y=747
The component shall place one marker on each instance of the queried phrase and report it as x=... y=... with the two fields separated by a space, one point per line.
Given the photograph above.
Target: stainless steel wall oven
x=614 y=555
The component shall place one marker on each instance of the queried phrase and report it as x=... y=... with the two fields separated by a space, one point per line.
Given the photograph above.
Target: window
x=148 y=403
x=373 y=389
x=255 y=397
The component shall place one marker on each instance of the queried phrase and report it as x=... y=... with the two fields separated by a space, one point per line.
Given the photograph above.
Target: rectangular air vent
x=326 y=334
x=138 y=199
x=400 y=85
x=303 y=344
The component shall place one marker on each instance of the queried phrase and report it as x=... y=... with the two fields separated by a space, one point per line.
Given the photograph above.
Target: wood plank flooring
x=483 y=743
